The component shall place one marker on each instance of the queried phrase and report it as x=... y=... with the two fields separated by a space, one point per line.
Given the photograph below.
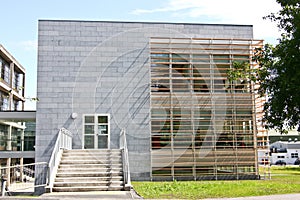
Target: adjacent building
x=165 y=84
x=275 y=136
x=286 y=151
x=12 y=98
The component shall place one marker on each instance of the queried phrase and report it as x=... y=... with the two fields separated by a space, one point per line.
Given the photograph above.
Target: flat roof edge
x=17 y=115
x=141 y=22
x=11 y=57
x=17 y=154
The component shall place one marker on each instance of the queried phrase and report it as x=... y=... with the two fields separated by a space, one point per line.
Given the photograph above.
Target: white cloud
x=220 y=11
x=29 y=45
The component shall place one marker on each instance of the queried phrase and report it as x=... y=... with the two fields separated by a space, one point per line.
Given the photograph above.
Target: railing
x=20 y=178
x=63 y=141
x=125 y=159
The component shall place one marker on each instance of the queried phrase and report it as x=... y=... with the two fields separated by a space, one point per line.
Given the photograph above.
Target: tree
x=279 y=75
x=242 y=71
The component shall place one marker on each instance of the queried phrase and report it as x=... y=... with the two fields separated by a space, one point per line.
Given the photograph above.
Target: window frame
x=96 y=134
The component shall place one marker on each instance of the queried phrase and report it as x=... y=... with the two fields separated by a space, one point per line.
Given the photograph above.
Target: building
x=287 y=151
x=165 y=84
x=12 y=82
x=12 y=98
x=275 y=136
x=268 y=154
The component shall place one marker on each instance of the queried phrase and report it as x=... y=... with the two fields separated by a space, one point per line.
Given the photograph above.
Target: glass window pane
x=89 y=129
x=102 y=142
x=88 y=142
x=102 y=129
x=102 y=119
x=3 y=137
x=89 y=119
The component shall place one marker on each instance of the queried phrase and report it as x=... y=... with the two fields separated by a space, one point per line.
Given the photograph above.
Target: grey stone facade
x=90 y=67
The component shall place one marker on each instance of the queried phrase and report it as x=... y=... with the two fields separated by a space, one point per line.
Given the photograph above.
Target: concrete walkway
x=132 y=195
x=270 y=197
x=128 y=195
x=91 y=195
x=80 y=195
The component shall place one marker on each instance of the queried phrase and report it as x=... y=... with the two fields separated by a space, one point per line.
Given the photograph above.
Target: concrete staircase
x=89 y=170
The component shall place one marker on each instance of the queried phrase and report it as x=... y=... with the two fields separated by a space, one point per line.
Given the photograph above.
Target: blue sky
x=19 y=20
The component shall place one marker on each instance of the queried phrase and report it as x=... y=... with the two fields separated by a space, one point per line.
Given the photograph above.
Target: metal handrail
x=20 y=177
x=125 y=159
x=63 y=141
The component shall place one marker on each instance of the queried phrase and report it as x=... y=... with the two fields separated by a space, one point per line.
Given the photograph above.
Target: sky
x=19 y=21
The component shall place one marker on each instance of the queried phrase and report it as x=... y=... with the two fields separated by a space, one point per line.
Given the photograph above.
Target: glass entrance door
x=96 y=131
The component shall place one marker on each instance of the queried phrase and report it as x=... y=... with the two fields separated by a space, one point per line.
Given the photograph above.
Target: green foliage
x=242 y=72
x=33 y=99
x=288 y=18
x=280 y=75
x=285 y=180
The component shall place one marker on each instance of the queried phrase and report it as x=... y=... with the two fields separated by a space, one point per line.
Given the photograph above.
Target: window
x=15 y=105
x=29 y=136
x=189 y=105
x=102 y=125
x=280 y=156
x=17 y=81
x=294 y=155
x=16 y=141
x=96 y=131
x=3 y=137
x=1 y=63
x=5 y=71
x=4 y=103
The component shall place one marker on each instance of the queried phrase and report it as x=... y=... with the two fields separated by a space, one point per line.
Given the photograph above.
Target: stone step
x=83 y=170
x=92 y=151
x=84 y=179
x=90 y=158
x=101 y=150
x=70 y=153
x=87 y=189
x=89 y=174
x=97 y=156
x=76 y=166
x=86 y=170
x=88 y=184
x=75 y=162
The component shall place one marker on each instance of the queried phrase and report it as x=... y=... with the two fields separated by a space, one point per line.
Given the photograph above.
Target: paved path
x=80 y=196
x=131 y=195
x=271 y=197
x=91 y=195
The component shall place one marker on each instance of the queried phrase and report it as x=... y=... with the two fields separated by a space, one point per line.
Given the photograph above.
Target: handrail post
x=3 y=186
x=125 y=159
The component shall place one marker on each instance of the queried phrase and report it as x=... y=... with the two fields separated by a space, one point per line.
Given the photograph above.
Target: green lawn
x=284 y=180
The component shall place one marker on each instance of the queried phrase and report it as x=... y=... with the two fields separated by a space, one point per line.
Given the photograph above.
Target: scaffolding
x=203 y=127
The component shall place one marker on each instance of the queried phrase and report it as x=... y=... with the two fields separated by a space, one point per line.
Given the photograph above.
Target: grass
x=284 y=180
